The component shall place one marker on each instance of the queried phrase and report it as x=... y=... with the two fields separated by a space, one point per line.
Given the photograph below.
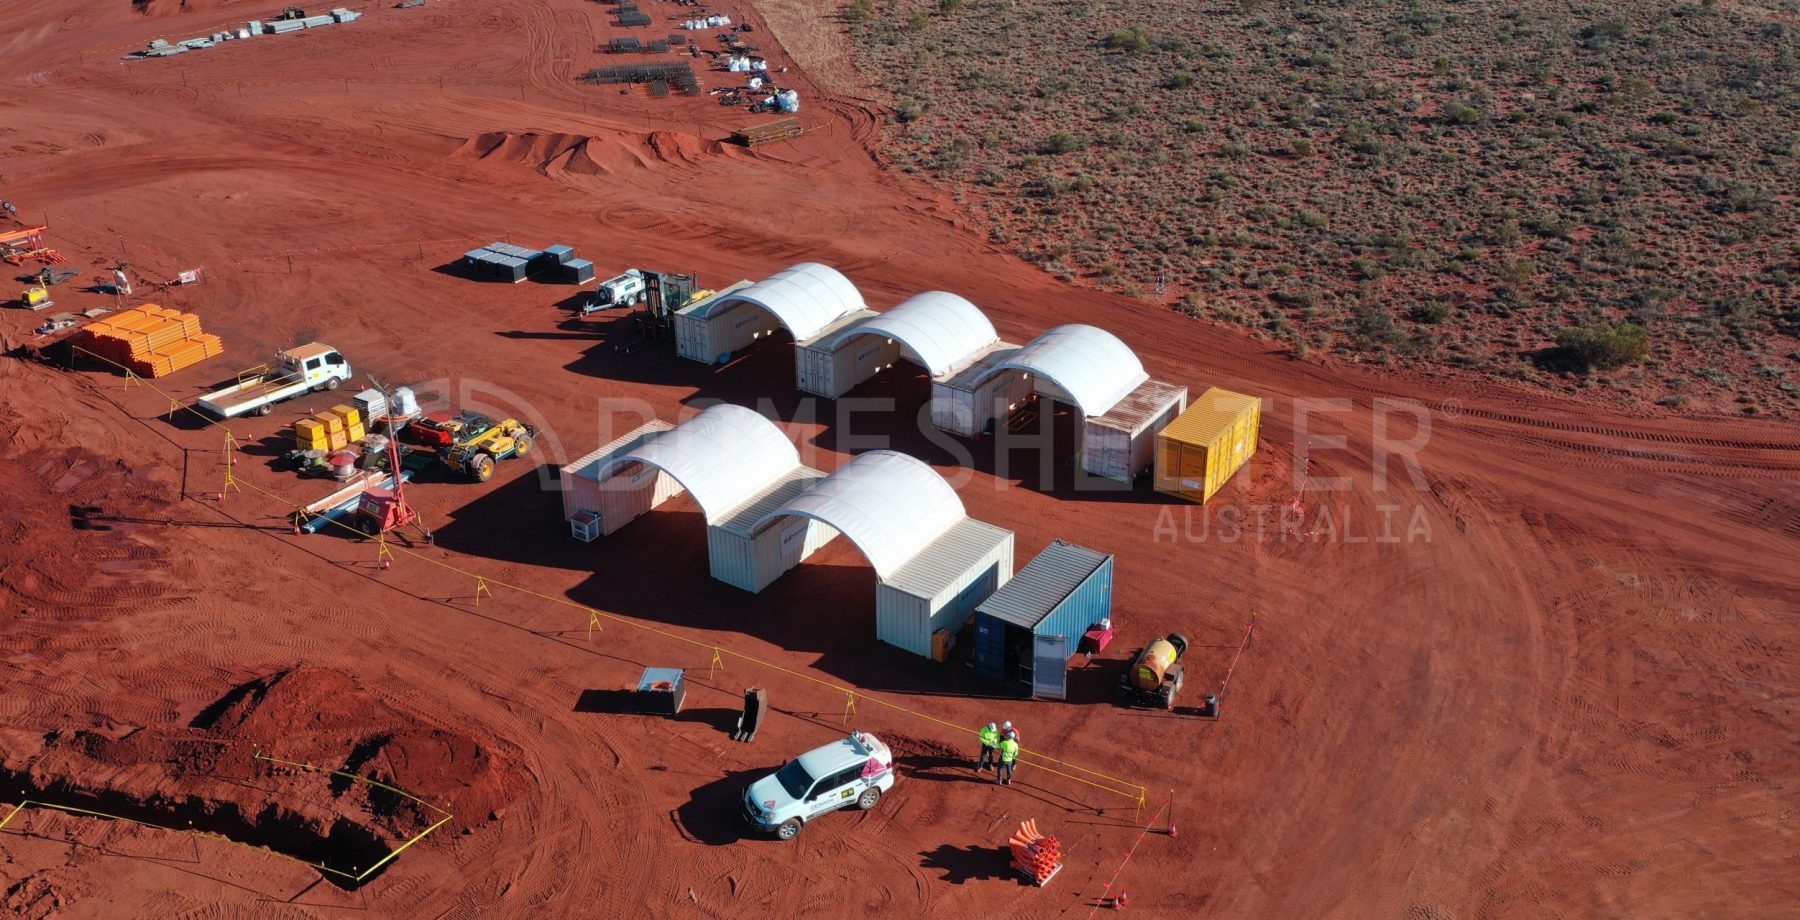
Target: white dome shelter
x=734 y=462
x=889 y=504
x=723 y=456
x=804 y=299
x=934 y=563
x=939 y=331
x=1090 y=365
x=1089 y=368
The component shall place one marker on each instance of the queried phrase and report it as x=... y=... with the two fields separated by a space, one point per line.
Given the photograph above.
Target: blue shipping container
x=1062 y=592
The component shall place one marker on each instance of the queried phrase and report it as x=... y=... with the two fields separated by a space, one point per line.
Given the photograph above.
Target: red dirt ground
x=1565 y=687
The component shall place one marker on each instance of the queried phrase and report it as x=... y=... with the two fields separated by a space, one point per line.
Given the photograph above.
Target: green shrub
x=1460 y=113
x=859 y=11
x=1059 y=143
x=1135 y=40
x=1180 y=79
x=1605 y=346
x=1430 y=312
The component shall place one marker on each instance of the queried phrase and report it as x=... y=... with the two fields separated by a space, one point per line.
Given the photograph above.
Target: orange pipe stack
x=1037 y=855
x=152 y=341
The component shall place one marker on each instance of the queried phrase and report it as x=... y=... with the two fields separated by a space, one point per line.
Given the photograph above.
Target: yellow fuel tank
x=1153 y=663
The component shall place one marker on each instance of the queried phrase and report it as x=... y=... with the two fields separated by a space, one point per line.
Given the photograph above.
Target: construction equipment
x=1037 y=856
x=660 y=691
x=382 y=509
x=1154 y=676
x=621 y=291
x=36 y=297
x=292 y=12
x=310 y=367
x=468 y=442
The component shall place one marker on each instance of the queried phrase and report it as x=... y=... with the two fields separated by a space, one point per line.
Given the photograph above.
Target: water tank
x=405 y=403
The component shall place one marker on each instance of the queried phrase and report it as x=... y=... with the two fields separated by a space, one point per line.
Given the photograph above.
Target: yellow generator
x=1154 y=675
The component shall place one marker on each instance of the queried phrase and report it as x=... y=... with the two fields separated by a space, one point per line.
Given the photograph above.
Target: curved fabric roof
x=1090 y=364
x=939 y=329
x=723 y=456
x=806 y=297
x=889 y=504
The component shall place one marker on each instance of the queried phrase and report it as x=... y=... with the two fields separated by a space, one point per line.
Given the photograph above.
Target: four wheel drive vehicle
x=311 y=367
x=468 y=442
x=854 y=771
x=623 y=291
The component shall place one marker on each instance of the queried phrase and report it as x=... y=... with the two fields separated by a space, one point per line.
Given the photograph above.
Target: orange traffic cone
x=1120 y=901
x=1172 y=828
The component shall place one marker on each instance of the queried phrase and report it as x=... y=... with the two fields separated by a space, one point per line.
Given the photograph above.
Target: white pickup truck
x=854 y=771
x=299 y=370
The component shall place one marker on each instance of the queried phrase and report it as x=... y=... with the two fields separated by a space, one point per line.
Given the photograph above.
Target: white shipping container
x=824 y=370
x=941 y=587
x=750 y=560
x=623 y=494
x=1122 y=443
x=719 y=326
x=964 y=402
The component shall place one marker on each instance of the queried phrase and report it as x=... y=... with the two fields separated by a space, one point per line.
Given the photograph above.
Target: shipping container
x=625 y=493
x=964 y=402
x=824 y=370
x=561 y=253
x=1121 y=444
x=941 y=586
x=1205 y=445
x=1041 y=614
x=744 y=558
x=710 y=330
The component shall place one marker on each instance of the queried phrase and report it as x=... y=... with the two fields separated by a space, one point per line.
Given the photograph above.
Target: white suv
x=854 y=771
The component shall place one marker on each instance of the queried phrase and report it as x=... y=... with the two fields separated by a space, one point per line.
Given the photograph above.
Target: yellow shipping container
x=1203 y=446
x=331 y=422
x=349 y=415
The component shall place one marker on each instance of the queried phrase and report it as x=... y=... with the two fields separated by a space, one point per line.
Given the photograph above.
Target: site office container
x=1121 y=444
x=1061 y=593
x=832 y=372
x=625 y=493
x=1206 y=444
x=744 y=558
x=940 y=587
x=964 y=402
x=715 y=328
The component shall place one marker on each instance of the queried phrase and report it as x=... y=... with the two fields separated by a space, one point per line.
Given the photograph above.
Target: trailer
x=301 y=370
x=333 y=507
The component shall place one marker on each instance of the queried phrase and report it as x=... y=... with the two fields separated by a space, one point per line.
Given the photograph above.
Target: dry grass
x=1446 y=184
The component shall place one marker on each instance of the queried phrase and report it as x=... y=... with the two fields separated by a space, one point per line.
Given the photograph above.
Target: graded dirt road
x=1548 y=675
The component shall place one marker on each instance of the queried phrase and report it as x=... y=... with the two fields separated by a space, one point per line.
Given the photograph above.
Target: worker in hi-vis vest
x=1009 y=751
x=990 y=745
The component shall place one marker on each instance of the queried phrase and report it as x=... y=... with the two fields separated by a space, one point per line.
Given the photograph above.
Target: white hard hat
x=990 y=726
x=1007 y=725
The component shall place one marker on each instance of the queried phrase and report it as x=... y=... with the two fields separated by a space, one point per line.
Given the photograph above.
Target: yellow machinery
x=1154 y=676
x=470 y=443
x=36 y=297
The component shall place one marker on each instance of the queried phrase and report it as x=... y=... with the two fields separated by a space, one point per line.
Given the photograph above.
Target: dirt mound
x=588 y=155
x=234 y=770
x=323 y=717
x=159 y=8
